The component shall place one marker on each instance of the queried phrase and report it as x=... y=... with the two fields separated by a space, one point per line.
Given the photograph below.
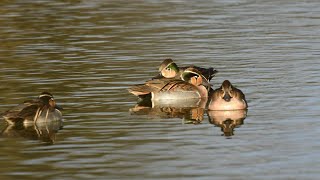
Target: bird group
x=172 y=83
x=191 y=82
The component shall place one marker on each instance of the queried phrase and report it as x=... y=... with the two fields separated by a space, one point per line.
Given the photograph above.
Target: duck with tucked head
x=227 y=97
x=169 y=69
x=191 y=84
x=42 y=109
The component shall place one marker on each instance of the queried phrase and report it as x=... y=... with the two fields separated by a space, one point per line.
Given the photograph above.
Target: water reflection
x=45 y=132
x=191 y=110
x=227 y=120
x=89 y=52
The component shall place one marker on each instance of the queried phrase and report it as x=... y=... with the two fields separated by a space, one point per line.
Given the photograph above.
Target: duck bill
x=159 y=76
x=58 y=107
x=227 y=97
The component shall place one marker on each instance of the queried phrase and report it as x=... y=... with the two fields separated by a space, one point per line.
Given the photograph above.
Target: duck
x=227 y=97
x=191 y=84
x=169 y=69
x=41 y=109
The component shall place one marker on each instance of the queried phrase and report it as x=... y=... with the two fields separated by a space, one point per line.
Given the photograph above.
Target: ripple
x=87 y=53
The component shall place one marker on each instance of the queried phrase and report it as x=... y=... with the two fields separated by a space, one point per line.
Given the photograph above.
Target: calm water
x=87 y=53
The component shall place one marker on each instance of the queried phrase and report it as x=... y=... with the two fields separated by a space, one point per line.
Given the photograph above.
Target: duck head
x=227 y=91
x=167 y=69
x=193 y=76
x=47 y=99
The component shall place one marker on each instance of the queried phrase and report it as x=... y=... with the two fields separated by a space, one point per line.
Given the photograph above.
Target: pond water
x=87 y=53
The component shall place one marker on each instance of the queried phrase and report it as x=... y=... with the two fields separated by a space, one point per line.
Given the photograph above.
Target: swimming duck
x=169 y=69
x=42 y=109
x=227 y=97
x=190 y=85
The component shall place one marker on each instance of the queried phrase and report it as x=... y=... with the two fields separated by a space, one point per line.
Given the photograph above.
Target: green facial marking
x=186 y=76
x=174 y=67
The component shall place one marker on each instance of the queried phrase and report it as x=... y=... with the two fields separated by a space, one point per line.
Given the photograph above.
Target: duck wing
x=155 y=85
x=241 y=95
x=23 y=111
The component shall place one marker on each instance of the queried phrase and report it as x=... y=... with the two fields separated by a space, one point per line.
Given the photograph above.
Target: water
x=87 y=53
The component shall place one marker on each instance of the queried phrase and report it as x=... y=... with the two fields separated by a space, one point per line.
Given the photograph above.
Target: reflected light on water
x=87 y=53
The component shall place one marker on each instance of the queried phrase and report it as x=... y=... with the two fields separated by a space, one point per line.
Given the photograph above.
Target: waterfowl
x=169 y=69
x=227 y=97
x=42 y=109
x=190 y=85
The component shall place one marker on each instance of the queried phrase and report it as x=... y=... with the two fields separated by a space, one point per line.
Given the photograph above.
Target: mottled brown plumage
x=167 y=88
x=44 y=107
x=227 y=97
x=169 y=69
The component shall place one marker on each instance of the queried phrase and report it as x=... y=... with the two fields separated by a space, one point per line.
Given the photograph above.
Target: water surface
x=87 y=53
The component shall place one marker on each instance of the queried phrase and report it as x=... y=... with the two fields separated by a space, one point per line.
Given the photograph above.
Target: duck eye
x=168 y=69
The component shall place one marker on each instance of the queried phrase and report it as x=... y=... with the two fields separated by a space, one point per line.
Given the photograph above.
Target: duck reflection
x=45 y=132
x=191 y=111
x=227 y=120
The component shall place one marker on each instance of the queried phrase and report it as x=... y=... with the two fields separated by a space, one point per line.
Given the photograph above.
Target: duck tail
x=211 y=73
x=140 y=90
